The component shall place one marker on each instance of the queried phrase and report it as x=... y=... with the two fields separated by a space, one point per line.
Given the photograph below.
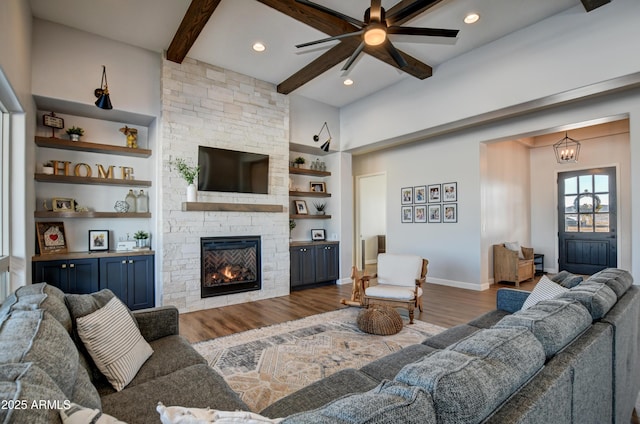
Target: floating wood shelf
x=55 y=214
x=311 y=172
x=58 y=143
x=230 y=207
x=68 y=179
x=310 y=216
x=296 y=193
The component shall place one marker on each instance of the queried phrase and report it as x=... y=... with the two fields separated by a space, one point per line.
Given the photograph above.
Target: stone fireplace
x=230 y=265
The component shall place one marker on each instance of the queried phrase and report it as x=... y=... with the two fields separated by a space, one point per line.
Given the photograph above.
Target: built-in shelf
x=58 y=143
x=310 y=216
x=89 y=255
x=297 y=193
x=70 y=214
x=311 y=172
x=68 y=179
x=230 y=207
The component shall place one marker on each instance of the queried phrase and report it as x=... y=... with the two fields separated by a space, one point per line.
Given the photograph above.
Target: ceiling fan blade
x=431 y=32
x=332 y=12
x=353 y=57
x=411 y=10
x=375 y=12
x=395 y=54
x=324 y=40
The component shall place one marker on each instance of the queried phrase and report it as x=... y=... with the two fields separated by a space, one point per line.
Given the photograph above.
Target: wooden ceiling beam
x=193 y=22
x=324 y=22
x=410 y=9
x=590 y=5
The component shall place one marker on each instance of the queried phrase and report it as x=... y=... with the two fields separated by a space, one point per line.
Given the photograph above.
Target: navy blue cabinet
x=314 y=263
x=79 y=276
x=131 y=278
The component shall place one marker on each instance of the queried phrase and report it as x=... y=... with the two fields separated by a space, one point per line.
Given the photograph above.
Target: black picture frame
x=450 y=212
x=420 y=213
x=434 y=213
x=98 y=240
x=420 y=194
x=450 y=192
x=406 y=195
x=433 y=193
x=406 y=214
x=318 y=234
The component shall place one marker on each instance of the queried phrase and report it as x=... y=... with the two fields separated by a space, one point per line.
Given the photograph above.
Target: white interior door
x=371 y=216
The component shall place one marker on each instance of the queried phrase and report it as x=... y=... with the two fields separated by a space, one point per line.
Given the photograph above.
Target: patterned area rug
x=266 y=364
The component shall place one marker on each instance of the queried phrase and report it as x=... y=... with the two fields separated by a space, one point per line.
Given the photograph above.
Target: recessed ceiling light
x=348 y=82
x=259 y=47
x=471 y=18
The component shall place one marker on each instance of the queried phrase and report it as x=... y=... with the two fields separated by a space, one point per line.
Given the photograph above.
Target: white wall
x=372 y=213
x=307 y=117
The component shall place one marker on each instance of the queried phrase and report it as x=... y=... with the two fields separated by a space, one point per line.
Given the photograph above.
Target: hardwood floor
x=442 y=305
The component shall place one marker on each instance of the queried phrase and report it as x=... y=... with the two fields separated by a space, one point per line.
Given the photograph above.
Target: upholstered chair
x=514 y=265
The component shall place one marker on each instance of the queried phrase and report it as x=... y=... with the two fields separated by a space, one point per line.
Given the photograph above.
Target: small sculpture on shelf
x=320 y=208
x=75 y=133
x=132 y=136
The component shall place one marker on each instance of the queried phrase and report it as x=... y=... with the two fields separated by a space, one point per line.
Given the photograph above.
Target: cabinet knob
x=124 y=261
x=130 y=261
x=72 y=265
x=64 y=266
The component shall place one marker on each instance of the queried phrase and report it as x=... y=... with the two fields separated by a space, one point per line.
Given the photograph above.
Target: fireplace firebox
x=230 y=265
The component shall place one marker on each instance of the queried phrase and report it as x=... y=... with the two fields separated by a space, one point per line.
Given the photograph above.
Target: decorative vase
x=192 y=193
x=74 y=137
x=320 y=212
x=141 y=242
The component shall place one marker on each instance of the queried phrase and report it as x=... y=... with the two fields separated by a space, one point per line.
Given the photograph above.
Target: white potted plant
x=75 y=133
x=189 y=174
x=141 y=238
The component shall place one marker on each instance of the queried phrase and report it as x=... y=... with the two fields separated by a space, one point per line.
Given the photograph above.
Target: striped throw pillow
x=114 y=342
x=544 y=290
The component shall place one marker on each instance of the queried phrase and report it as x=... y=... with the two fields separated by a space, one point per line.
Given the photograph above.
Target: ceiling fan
x=375 y=28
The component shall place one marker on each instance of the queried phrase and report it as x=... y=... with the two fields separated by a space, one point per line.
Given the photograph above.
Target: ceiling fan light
x=375 y=35
x=471 y=18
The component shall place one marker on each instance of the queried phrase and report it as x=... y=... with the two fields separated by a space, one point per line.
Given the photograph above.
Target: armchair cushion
x=393 y=292
x=515 y=246
x=399 y=270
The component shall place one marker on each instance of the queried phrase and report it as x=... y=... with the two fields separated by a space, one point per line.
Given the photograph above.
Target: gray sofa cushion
x=197 y=386
x=489 y=319
x=38 y=296
x=450 y=336
x=388 y=366
x=555 y=323
x=566 y=279
x=618 y=280
x=319 y=393
x=596 y=297
x=471 y=378
x=390 y=402
x=84 y=392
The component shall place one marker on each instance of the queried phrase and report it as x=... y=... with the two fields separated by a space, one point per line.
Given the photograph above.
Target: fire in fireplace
x=230 y=265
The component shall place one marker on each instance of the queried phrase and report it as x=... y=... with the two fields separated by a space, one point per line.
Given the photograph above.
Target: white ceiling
x=236 y=24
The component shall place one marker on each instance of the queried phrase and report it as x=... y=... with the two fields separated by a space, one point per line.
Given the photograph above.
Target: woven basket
x=379 y=319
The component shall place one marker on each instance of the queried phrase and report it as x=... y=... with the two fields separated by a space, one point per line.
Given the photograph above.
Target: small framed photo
x=420 y=194
x=450 y=192
x=98 y=240
x=318 y=235
x=434 y=193
x=406 y=194
x=450 y=213
x=407 y=214
x=51 y=238
x=435 y=213
x=301 y=207
x=420 y=213
x=317 y=187
x=61 y=204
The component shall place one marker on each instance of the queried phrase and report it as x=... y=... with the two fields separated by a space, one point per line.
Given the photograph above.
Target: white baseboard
x=343 y=281
x=459 y=284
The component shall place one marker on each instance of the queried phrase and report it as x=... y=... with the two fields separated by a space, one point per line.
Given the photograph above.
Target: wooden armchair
x=508 y=266
x=399 y=282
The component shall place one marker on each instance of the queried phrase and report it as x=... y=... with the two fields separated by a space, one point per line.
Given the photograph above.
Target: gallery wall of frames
x=433 y=203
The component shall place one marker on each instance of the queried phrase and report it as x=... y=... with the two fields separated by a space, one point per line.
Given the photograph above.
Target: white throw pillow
x=544 y=290
x=114 y=342
x=77 y=414
x=181 y=415
x=515 y=246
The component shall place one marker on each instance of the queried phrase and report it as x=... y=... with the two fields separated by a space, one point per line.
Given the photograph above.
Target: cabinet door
x=113 y=276
x=140 y=284
x=55 y=273
x=83 y=276
x=327 y=260
x=302 y=266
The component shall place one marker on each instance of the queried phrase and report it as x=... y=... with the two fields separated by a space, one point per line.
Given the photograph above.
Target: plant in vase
x=75 y=133
x=47 y=168
x=320 y=208
x=298 y=162
x=189 y=174
x=292 y=225
x=141 y=238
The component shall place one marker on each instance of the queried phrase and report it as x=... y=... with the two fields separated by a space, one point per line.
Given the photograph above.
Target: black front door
x=587 y=220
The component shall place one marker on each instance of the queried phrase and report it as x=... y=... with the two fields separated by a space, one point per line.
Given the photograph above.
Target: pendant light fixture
x=102 y=93
x=567 y=150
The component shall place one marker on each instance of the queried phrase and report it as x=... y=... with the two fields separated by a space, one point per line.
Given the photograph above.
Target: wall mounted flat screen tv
x=232 y=171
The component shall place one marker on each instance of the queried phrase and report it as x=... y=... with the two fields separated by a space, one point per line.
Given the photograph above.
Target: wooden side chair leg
x=411 y=314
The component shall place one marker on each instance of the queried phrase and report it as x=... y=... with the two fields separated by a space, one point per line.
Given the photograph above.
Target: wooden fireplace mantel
x=229 y=207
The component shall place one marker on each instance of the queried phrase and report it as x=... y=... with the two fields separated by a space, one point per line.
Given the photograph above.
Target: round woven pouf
x=379 y=319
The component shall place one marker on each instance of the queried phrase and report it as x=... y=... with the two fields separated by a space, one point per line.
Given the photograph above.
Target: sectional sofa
x=571 y=359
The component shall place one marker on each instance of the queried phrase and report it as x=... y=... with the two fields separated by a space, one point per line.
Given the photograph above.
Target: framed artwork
x=450 y=212
x=406 y=194
x=61 y=204
x=317 y=187
x=420 y=194
x=435 y=212
x=407 y=214
x=434 y=193
x=98 y=240
x=450 y=192
x=301 y=207
x=318 y=235
x=51 y=237
x=420 y=213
